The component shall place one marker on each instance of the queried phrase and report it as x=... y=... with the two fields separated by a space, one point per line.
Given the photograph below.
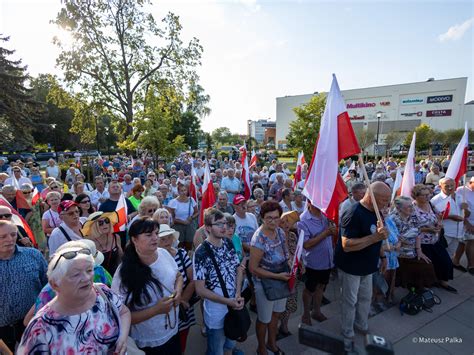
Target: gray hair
x=443 y=180
x=401 y=200
x=159 y=212
x=59 y=266
x=223 y=193
x=258 y=192
x=8 y=188
x=358 y=186
x=147 y=202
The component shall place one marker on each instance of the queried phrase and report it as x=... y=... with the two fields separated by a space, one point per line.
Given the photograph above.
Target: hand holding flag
x=296 y=261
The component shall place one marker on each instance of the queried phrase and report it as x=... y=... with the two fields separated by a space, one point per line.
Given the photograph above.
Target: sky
x=256 y=51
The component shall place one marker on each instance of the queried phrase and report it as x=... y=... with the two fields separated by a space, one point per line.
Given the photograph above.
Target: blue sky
x=255 y=51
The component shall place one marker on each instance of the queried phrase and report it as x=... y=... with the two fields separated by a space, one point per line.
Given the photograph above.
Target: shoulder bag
x=236 y=322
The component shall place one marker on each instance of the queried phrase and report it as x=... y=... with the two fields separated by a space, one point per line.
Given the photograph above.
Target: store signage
x=438 y=113
x=439 y=99
x=355 y=117
x=361 y=105
x=411 y=114
x=413 y=101
x=385 y=103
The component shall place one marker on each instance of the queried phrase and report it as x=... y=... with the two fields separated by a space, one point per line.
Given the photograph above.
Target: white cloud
x=455 y=32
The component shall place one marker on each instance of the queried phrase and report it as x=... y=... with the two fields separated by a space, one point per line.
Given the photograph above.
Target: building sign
x=411 y=114
x=439 y=99
x=438 y=113
x=361 y=105
x=385 y=103
x=355 y=117
x=413 y=101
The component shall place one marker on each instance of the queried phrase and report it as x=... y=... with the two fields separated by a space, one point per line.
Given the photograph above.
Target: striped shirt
x=184 y=262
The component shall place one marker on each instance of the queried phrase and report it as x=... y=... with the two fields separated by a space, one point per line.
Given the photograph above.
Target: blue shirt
x=232 y=185
x=319 y=257
x=21 y=279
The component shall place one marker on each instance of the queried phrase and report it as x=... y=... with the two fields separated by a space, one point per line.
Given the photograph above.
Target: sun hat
x=291 y=216
x=112 y=216
x=166 y=230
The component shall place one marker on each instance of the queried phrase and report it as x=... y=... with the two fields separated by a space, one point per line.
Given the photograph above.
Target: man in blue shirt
x=22 y=276
x=231 y=184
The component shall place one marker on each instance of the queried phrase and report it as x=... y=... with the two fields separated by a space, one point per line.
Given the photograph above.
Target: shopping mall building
x=439 y=103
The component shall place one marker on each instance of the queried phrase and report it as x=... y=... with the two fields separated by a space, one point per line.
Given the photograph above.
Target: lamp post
x=53 y=126
x=379 y=116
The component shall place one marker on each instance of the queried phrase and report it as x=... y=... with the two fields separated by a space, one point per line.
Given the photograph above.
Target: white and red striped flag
x=208 y=195
x=458 y=165
x=397 y=184
x=19 y=220
x=298 y=176
x=408 y=180
x=253 y=159
x=324 y=186
x=347 y=175
x=193 y=183
x=35 y=197
x=296 y=261
x=245 y=172
x=122 y=212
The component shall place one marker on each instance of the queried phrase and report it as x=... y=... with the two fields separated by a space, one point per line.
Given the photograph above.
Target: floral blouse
x=425 y=219
x=94 y=331
x=407 y=234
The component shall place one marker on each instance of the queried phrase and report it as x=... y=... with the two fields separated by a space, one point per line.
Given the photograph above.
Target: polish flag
x=245 y=172
x=297 y=262
x=408 y=180
x=208 y=195
x=397 y=184
x=19 y=220
x=298 y=177
x=193 y=184
x=36 y=196
x=324 y=186
x=122 y=212
x=347 y=175
x=458 y=165
x=447 y=210
x=253 y=160
x=21 y=201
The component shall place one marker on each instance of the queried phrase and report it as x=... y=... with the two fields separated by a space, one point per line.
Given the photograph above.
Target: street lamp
x=53 y=126
x=379 y=116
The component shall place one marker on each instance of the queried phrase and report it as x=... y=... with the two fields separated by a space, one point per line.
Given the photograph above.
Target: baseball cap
x=65 y=205
x=238 y=199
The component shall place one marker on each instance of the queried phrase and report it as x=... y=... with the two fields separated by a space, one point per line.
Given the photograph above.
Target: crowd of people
x=72 y=282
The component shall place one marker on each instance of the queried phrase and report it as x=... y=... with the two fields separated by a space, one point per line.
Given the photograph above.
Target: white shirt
x=452 y=228
x=465 y=193
x=182 y=210
x=21 y=181
x=152 y=332
x=58 y=238
x=53 y=171
x=284 y=207
x=95 y=196
x=298 y=209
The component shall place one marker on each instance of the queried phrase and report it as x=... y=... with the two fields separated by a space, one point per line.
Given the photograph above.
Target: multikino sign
x=413 y=101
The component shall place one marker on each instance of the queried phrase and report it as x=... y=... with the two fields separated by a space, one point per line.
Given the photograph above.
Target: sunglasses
x=71 y=255
x=101 y=222
x=85 y=201
x=6 y=216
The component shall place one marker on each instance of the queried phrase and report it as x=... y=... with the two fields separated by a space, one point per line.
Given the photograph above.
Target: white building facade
x=257 y=129
x=438 y=103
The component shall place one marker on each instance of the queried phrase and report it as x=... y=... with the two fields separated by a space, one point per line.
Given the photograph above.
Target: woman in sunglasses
x=149 y=281
x=84 y=202
x=51 y=219
x=99 y=228
x=83 y=317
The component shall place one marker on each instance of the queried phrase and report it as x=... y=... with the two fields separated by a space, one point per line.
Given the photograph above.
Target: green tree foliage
x=305 y=129
x=365 y=138
x=119 y=50
x=393 y=139
x=221 y=135
x=19 y=110
x=189 y=127
x=424 y=135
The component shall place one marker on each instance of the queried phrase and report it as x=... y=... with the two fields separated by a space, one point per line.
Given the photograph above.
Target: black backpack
x=414 y=302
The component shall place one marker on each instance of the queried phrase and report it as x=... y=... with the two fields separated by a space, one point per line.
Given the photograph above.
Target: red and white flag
x=297 y=262
x=347 y=175
x=245 y=172
x=408 y=180
x=447 y=210
x=36 y=196
x=458 y=165
x=253 y=160
x=324 y=186
x=122 y=212
x=298 y=176
x=397 y=184
x=193 y=183
x=19 y=220
x=208 y=195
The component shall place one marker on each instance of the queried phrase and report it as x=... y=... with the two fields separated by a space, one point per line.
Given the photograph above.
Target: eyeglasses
x=6 y=216
x=71 y=213
x=271 y=219
x=220 y=224
x=71 y=255
x=101 y=222
x=85 y=201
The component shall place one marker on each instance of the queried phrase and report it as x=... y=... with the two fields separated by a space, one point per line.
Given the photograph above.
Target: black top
x=110 y=206
x=358 y=222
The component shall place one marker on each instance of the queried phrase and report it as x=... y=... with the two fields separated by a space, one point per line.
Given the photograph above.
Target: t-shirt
x=245 y=227
x=153 y=331
x=228 y=262
x=58 y=238
x=182 y=210
x=52 y=217
x=358 y=222
x=275 y=252
x=94 y=331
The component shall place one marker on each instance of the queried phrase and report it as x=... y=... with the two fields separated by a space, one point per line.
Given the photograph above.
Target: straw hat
x=112 y=216
x=166 y=230
x=291 y=216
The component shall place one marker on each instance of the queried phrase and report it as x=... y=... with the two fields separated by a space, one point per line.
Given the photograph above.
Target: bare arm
x=46 y=228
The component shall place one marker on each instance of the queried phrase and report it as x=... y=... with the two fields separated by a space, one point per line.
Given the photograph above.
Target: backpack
x=414 y=302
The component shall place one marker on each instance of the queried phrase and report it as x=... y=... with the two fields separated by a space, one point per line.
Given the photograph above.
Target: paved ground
x=448 y=330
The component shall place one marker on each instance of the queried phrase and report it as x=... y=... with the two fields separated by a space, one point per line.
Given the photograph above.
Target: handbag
x=442 y=239
x=277 y=289
x=236 y=322
x=414 y=302
x=132 y=348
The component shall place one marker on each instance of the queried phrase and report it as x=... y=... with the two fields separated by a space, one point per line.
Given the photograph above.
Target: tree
x=118 y=52
x=424 y=135
x=392 y=139
x=365 y=138
x=305 y=129
x=19 y=111
x=221 y=135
